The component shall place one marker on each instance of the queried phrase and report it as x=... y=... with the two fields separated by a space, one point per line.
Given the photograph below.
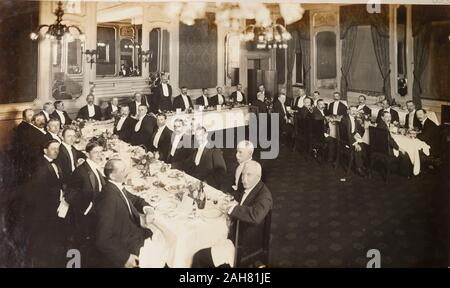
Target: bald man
x=248 y=213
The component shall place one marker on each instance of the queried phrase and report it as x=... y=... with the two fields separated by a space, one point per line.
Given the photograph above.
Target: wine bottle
x=201 y=198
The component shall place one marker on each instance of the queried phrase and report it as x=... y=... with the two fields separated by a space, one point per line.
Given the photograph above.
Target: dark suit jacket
x=295 y=103
x=345 y=126
x=212 y=167
x=342 y=109
x=179 y=103
x=108 y=112
x=163 y=144
x=63 y=160
x=144 y=135
x=234 y=97
x=251 y=215
x=392 y=143
x=126 y=130
x=215 y=100
x=83 y=188
x=56 y=116
x=394 y=116
x=278 y=108
x=84 y=113
x=118 y=233
x=132 y=106
x=162 y=102
x=33 y=143
x=430 y=135
x=367 y=110
x=416 y=121
x=262 y=108
x=181 y=152
x=201 y=101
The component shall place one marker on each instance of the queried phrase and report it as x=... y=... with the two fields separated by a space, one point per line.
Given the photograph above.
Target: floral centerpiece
x=142 y=160
x=78 y=126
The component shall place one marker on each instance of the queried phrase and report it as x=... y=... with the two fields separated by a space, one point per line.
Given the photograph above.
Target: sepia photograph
x=224 y=134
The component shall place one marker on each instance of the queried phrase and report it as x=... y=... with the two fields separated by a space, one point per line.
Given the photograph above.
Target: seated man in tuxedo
x=90 y=111
x=244 y=154
x=162 y=96
x=182 y=101
x=351 y=133
x=44 y=219
x=118 y=232
x=143 y=129
x=134 y=105
x=362 y=107
x=219 y=98
x=386 y=107
x=124 y=71
x=48 y=110
x=203 y=100
x=83 y=188
x=112 y=110
x=238 y=96
x=337 y=107
x=248 y=213
x=299 y=98
x=180 y=145
x=429 y=133
x=61 y=114
x=411 y=120
x=285 y=118
x=205 y=162
x=53 y=128
x=161 y=137
x=69 y=157
x=125 y=125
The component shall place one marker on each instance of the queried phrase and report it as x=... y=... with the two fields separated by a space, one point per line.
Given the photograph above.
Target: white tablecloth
x=402 y=114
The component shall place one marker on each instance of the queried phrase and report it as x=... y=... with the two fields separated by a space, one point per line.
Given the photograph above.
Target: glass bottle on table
x=201 y=197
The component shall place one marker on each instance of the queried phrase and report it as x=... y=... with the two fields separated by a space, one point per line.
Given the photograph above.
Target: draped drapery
x=380 y=39
x=348 y=48
x=306 y=60
x=292 y=49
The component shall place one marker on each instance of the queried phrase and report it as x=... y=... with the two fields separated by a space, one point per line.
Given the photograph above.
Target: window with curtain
x=364 y=75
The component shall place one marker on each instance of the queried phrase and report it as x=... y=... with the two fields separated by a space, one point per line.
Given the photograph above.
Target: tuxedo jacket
x=366 y=110
x=391 y=141
x=215 y=100
x=133 y=108
x=56 y=116
x=345 y=129
x=295 y=102
x=83 y=188
x=430 y=135
x=127 y=129
x=342 y=109
x=234 y=97
x=319 y=124
x=32 y=145
x=108 y=114
x=63 y=160
x=181 y=153
x=200 y=101
x=416 y=122
x=84 y=113
x=163 y=143
x=262 y=108
x=19 y=141
x=144 y=135
x=163 y=103
x=118 y=232
x=249 y=217
x=394 y=116
x=212 y=167
x=179 y=103
x=278 y=108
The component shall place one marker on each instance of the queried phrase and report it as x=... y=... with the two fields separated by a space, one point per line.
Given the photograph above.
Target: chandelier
x=271 y=37
x=56 y=30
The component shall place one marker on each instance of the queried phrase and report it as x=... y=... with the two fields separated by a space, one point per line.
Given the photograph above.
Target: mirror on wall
x=159 y=44
x=401 y=26
x=67 y=68
x=326 y=64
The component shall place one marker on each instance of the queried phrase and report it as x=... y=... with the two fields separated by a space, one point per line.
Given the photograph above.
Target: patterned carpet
x=319 y=221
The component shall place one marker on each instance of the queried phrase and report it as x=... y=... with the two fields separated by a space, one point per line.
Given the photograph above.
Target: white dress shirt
x=69 y=149
x=50 y=160
x=91 y=111
x=220 y=99
x=335 y=107
x=61 y=116
x=352 y=122
x=114 y=108
x=120 y=122
x=165 y=89
x=300 y=101
x=175 y=142
x=239 y=97
x=244 y=196
x=138 y=124
x=158 y=135
x=199 y=154
x=96 y=170
x=361 y=106
x=411 y=119
x=205 y=101
x=137 y=104
x=238 y=172
x=186 y=101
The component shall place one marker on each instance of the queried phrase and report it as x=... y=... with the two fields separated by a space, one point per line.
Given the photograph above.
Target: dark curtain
x=306 y=60
x=380 y=39
x=348 y=48
x=292 y=48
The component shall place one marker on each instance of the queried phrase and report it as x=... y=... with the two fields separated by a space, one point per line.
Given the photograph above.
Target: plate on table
x=167 y=205
x=211 y=213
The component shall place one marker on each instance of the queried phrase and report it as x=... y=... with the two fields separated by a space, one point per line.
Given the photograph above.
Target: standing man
x=162 y=96
x=362 y=107
x=90 y=111
x=411 y=120
x=298 y=101
x=69 y=157
x=183 y=101
x=337 y=108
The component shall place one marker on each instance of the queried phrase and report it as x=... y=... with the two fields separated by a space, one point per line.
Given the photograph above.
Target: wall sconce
x=91 y=56
x=147 y=56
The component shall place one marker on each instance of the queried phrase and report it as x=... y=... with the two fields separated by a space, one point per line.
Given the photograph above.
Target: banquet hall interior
x=315 y=70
